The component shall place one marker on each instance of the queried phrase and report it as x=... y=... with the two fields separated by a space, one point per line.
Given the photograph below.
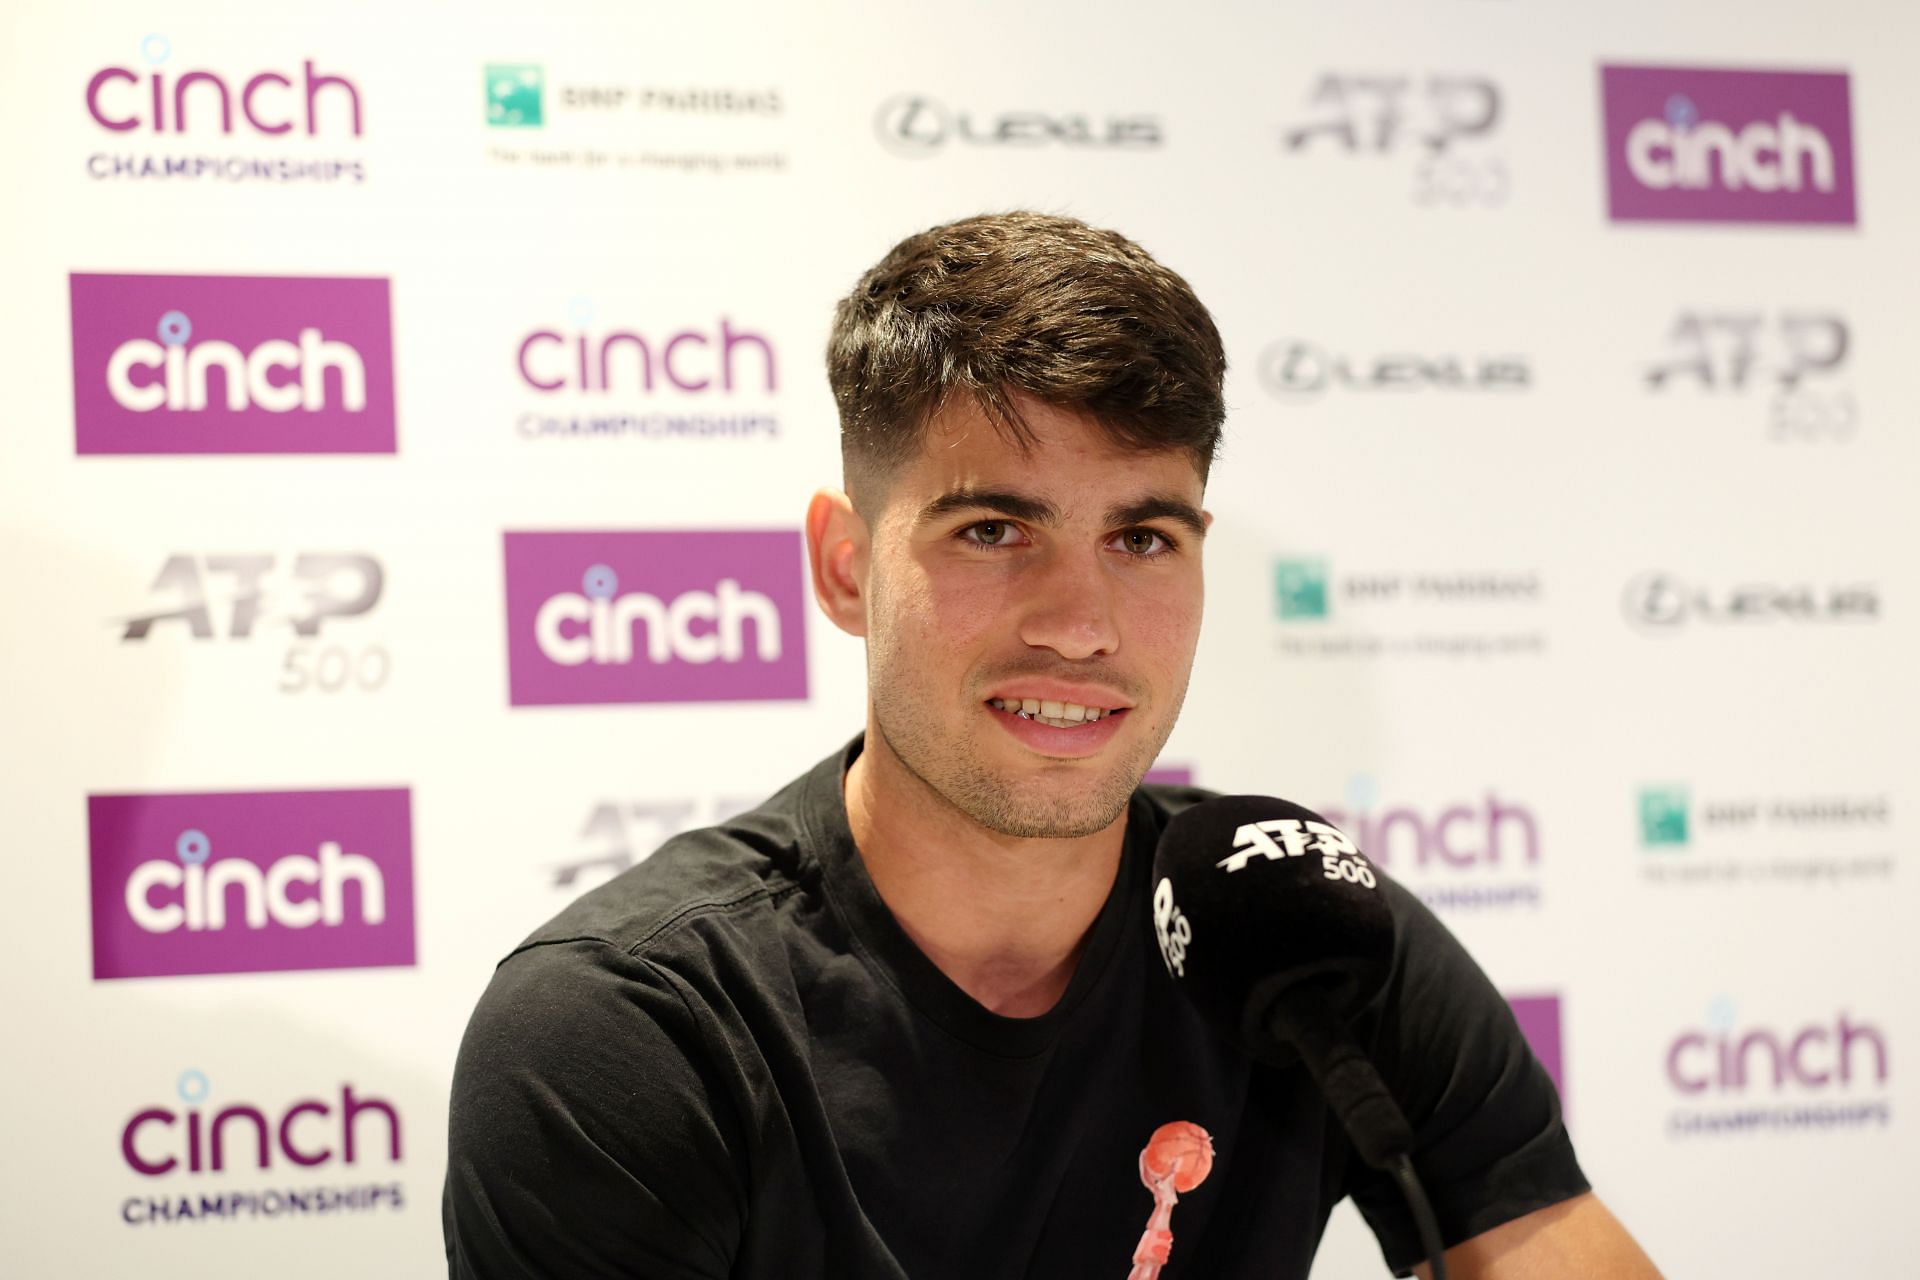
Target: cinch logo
x=1726 y=1059
x=1300 y=588
x=1539 y=1019
x=623 y=361
x=268 y=102
x=231 y=364
x=250 y=882
x=346 y=1129
x=1663 y=816
x=516 y=95
x=1688 y=144
x=1489 y=833
x=654 y=617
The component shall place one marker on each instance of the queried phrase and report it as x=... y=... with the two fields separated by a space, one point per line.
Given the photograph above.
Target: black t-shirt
x=731 y=1061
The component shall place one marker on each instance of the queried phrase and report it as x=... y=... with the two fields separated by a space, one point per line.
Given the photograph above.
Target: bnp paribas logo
x=516 y=95
x=1300 y=589
x=1663 y=817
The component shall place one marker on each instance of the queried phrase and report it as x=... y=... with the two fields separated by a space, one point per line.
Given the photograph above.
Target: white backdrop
x=1567 y=557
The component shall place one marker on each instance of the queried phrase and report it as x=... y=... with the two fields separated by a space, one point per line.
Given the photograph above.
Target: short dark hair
x=1074 y=316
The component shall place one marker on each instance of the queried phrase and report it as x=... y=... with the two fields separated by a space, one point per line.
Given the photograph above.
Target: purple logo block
x=1686 y=144
x=250 y=881
x=655 y=617
x=232 y=364
x=1539 y=1019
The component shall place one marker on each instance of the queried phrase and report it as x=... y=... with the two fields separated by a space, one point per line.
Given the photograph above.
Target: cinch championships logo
x=307 y=1137
x=655 y=617
x=1685 y=144
x=250 y=882
x=1473 y=853
x=231 y=364
x=1736 y=1077
x=241 y=126
x=700 y=382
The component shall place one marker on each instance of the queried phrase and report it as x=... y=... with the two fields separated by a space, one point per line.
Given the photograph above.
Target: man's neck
x=1005 y=918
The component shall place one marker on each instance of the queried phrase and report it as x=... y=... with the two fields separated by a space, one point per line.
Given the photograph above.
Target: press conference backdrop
x=412 y=409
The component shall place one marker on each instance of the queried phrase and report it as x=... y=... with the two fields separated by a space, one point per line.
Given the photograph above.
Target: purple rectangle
x=1539 y=1019
x=1689 y=144
x=655 y=617
x=250 y=881
x=232 y=364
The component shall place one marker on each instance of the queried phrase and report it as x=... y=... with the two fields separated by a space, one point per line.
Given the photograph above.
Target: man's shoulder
x=725 y=870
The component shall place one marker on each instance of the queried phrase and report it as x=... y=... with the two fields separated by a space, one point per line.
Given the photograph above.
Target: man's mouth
x=1059 y=715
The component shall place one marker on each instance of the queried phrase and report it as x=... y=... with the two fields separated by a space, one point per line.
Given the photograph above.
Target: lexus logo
x=1656 y=602
x=1660 y=603
x=912 y=124
x=1296 y=369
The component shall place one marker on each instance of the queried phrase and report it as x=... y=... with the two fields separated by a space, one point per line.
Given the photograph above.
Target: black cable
x=1423 y=1220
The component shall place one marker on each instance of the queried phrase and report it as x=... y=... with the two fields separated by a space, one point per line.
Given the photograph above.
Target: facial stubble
x=1078 y=799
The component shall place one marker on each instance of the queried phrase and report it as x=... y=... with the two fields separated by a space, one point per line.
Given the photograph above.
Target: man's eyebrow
x=1003 y=501
x=1159 y=507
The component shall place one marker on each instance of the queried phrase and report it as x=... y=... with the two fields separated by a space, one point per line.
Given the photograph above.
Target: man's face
x=1032 y=616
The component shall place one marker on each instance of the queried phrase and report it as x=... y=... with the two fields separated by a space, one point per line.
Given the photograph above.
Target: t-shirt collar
x=892 y=953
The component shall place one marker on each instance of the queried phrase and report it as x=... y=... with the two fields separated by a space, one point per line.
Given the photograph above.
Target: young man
x=907 y=1018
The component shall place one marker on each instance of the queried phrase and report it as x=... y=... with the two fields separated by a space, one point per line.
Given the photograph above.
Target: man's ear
x=837 y=550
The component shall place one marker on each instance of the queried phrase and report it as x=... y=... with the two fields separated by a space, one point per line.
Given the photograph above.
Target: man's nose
x=1070 y=608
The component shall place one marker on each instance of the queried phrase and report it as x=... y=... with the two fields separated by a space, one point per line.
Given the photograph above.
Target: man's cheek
x=1165 y=630
x=962 y=611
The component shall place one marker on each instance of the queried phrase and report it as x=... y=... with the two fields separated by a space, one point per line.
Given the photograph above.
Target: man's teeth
x=1061 y=715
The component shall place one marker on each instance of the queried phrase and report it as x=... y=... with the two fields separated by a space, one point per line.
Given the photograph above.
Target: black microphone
x=1273 y=923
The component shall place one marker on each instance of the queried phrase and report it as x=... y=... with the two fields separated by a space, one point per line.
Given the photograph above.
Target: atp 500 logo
x=655 y=617
x=1279 y=838
x=234 y=596
x=231 y=364
x=250 y=882
x=1796 y=358
x=1446 y=123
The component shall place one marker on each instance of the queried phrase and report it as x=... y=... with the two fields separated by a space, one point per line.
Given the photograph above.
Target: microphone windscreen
x=1253 y=896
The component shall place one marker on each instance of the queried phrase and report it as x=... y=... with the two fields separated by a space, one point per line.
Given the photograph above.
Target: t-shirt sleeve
x=1489 y=1143
x=587 y=1136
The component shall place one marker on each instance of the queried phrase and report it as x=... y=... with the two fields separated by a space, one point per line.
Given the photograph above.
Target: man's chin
x=1058 y=808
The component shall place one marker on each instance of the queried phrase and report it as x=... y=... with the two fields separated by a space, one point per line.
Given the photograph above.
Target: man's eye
x=990 y=533
x=1145 y=542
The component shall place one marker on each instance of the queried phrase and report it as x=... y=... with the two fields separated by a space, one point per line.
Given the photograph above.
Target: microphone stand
x=1302 y=1014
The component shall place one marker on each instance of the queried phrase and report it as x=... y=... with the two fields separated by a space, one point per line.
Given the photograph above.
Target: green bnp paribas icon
x=1663 y=817
x=516 y=95
x=1300 y=589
